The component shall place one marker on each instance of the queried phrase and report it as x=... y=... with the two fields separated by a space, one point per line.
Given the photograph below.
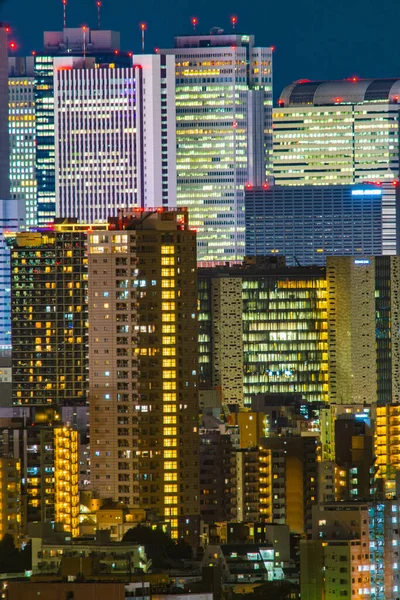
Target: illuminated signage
x=362 y=261
x=366 y=192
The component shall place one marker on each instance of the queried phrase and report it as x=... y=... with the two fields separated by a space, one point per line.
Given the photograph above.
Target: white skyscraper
x=115 y=146
x=224 y=134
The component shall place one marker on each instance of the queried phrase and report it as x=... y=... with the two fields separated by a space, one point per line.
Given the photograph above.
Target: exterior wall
x=227 y=338
x=4 y=137
x=352 y=330
x=365 y=143
x=226 y=141
x=22 y=128
x=10 y=497
x=309 y=223
x=60 y=591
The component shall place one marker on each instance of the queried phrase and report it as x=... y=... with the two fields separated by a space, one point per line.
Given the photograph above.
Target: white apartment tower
x=224 y=134
x=115 y=145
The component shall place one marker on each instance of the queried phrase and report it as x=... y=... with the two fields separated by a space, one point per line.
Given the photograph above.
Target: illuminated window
x=169 y=362
x=168 y=340
x=170 y=500
x=169 y=385
x=170 y=489
x=169 y=374
x=169 y=397
x=170 y=442
x=169 y=351
x=167 y=250
x=168 y=306
x=168 y=317
x=168 y=295
x=167 y=272
x=168 y=283
x=169 y=420
x=167 y=261
x=169 y=408
x=169 y=430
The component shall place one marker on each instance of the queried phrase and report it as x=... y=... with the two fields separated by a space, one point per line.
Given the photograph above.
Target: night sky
x=314 y=39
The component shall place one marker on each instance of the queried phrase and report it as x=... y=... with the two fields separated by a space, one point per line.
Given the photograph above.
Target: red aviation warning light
x=195 y=22
x=234 y=22
x=143 y=28
x=13 y=46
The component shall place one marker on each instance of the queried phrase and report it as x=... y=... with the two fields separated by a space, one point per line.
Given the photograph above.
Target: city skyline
x=311 y=25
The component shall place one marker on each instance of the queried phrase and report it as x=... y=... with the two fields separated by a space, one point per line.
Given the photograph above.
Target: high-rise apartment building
x=363 y=329
x=10 y=496
x=49 y=316
x=104 y=47
x=279 y=342
x=114 y=135
x=4 y=140
x=330 y=132
x=224 y=134
x=22 y=130
x=307 y=223
x=143 y=362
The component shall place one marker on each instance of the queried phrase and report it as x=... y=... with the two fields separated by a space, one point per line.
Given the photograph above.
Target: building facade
x=114 y=135
x=143 y=366
x=49 y=316
x=22 y=130
x=224 y=134
x=337 y=132
x=280 y=345
x=308 y=223
x=4 y=139
x=104 y=47
x=363 y=325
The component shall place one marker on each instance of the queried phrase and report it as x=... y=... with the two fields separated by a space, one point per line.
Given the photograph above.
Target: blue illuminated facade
x=308 y=223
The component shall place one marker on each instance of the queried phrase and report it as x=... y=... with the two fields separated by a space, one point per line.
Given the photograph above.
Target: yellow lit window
x=167 y=512
x=169 y=397
x=170 y=465
x=167 y=306
x=168 y=283
x=167 y=261
x=167 y=249
x=174 y=512
x=169 y=408
x=169 y=374
x=168 y=340
x=170 y=489
x=168 y=329
x=169 y=430
x=170 y=500
x=169 y=351
x=169 y=362
x=169 y=420
x=174 y=523
x=169 y=385
x=169 y=442
x=167 y=272
x=168 y=295
x=168 y=317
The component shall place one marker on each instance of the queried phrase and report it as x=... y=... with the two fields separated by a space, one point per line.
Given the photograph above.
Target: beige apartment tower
x=143 y=366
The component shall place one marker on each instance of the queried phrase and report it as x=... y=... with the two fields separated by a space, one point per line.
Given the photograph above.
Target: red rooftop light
x=265 y=186
x=338 y=99
x=248 y=186
x=395 y=182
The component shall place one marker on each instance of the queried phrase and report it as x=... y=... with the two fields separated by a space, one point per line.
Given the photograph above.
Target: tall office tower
x=115 y=145
x=330 y=132
x=363 y=329
x=49 y=316
x=224 y=134
x=104 y=47
x=4 y=140
x=353 y=552
x=307 y=223
x=280 y=342
x=22 y=129
x=143 y=362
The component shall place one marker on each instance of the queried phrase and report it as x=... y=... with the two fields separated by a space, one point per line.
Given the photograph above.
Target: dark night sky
x=314 y=39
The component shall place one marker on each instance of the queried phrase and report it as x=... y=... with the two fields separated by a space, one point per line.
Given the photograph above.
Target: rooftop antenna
x=195 y=22
x=98 y=4
x=65 y=12
x=84 y=29
x=233 y=21
x=143 y=28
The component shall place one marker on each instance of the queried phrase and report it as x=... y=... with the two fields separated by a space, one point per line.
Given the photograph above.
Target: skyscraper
x=49 y=316
x=115 y=146
x=363 y=329
x=143 y=365
x=22 y=128
x=278 y=344
x=104 y=47
x=307 y=223
x=224 y=134
x=330 y=132
x=4 y=141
